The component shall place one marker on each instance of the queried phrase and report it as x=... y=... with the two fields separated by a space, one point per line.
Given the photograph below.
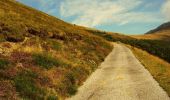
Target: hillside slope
x=163 y=27
x=162 y=32
x=42 y=57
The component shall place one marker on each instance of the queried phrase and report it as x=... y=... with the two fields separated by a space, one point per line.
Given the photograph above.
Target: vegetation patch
x=46 y=60
x=159 y=48
x=55 y=44
x=26 y=85
x=7 y=90
x=4 y=63
x=66 y=87
x=52 y=97
x=72 y=79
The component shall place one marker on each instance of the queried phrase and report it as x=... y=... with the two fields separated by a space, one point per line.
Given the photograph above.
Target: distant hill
x=43 y=57
x=160 y=33
x=163 y=27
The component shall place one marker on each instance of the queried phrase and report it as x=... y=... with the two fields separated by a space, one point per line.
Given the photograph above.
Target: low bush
x=15 y=38
x=52 y=97
x=72 y=89
x=13 y=33
x=67 y=86
x=159 y=48
x=55 y=44
x=4 y=63
x=26 y=85
x=66 y=89
x=7 y=90
x=45 y=60
x=72 y=79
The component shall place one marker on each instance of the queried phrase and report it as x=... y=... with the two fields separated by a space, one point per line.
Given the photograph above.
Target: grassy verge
x=159 y=68
x=158 y=48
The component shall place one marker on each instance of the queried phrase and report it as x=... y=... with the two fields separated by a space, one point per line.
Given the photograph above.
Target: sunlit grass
x=159 y=68
x=45 y=60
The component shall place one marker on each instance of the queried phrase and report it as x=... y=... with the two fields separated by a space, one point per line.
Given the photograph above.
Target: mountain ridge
x=163 y=27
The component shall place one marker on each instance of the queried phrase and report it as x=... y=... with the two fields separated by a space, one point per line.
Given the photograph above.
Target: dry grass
x=159 y=68
x=160 y=35
x=25 y=31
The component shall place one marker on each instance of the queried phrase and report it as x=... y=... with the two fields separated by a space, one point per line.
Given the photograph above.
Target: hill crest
x=163 y=27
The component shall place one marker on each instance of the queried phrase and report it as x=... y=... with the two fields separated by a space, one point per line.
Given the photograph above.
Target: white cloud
x=98 y=12
x=166 y=10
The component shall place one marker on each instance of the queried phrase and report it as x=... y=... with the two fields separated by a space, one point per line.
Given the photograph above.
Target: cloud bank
x=166 y=10
x=92 y=13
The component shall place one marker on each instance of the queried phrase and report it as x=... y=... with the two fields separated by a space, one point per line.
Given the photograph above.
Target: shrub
x=45 y=60
x=15 y=38
x=52 y=97
x=66 y=88
x=72 y=90
x=4 y=63
x=13 y=33
x=7 y=90
x=2 y=39
x=25 y=84
x=159 y=48
x=56 y=45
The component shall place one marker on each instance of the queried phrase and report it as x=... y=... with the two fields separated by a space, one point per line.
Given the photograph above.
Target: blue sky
x=122 y=16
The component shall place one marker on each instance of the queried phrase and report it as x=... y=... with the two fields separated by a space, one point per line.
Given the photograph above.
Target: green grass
x=46 y=60
x=52 y=97
x=4 y=63
x=55 y=44
x=72 y=79
x=66 y=87
x=26 y=85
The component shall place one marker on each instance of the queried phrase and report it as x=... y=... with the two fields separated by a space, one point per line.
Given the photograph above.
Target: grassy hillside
x=109 y=35
x=42 y=57
x=163 y=27
x=160 y=33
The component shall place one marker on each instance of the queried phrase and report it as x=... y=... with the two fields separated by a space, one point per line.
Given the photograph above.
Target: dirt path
x=120 y=77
